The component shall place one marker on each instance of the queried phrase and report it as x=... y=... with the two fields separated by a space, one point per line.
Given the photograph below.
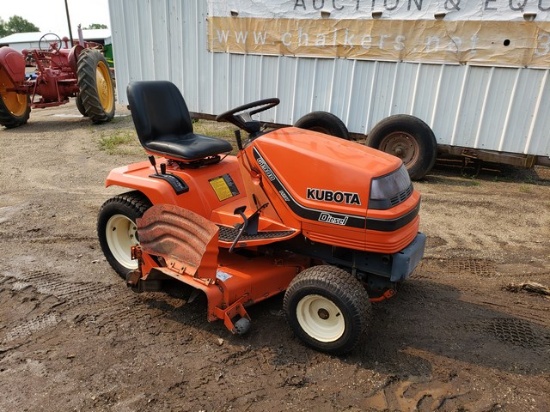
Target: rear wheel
x=80 y=106
x=15 y=108
x=96 y=86
x=117 y=229
x=327 y=308
x=324 y=122
x=408 y=138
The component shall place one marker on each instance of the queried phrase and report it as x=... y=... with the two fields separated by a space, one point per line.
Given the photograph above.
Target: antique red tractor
x=61 y=73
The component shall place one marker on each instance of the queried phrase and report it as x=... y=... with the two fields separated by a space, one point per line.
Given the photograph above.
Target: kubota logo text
x=323 y=195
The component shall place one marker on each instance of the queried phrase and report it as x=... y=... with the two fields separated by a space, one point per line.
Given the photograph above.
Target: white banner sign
x=484 y=32
x=492 y=10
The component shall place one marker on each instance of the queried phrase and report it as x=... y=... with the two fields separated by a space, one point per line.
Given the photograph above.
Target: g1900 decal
x=323 y=195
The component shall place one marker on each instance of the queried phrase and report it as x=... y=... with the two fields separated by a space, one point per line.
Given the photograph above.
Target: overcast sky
x=50 y=15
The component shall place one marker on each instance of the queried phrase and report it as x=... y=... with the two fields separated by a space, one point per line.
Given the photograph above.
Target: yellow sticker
x=221 y=188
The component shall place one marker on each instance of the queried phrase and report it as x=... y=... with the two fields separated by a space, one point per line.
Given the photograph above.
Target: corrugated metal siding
x=502 y=109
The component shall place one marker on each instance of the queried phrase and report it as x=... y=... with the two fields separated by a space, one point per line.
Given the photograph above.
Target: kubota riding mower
x=331 y=222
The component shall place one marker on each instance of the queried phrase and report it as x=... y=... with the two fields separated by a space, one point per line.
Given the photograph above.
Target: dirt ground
x=74 y=338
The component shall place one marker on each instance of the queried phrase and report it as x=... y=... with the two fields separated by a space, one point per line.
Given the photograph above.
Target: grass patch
x=222 y=130
x=215 y=129
x=125 y=141
x=120 y=142
x=525 y=189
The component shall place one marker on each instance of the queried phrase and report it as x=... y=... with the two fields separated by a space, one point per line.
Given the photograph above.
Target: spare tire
x=408 y=138
x=97 y=92
x=324 y=122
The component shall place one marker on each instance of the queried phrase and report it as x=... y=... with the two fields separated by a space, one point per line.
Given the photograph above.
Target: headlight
x=390 y=190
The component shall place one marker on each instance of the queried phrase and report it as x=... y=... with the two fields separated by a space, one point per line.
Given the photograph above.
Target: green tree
x=95 y=26
x=16 y=24
x=3 y=32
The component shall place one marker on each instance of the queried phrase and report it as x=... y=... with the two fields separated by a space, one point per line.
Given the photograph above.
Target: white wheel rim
x=121 y=234
x=320 y=318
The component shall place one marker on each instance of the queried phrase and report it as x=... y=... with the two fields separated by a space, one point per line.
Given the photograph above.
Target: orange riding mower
x=327 y=221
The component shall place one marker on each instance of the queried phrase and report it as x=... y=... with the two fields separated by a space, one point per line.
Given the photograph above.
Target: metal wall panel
x=502 y=109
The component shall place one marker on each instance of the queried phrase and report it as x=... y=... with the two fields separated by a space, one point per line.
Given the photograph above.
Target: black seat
x=163 y=123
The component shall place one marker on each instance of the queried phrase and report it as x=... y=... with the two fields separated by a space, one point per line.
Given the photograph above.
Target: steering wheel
x=52 y=40
x=244 y=119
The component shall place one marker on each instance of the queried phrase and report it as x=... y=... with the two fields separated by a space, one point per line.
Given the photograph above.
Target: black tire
x=15 y=108
x=324 y=122
x=80 y=106
x=408 y=138
x=9 y=119
x=96 y=86
x=116 y=229
x=327 y=308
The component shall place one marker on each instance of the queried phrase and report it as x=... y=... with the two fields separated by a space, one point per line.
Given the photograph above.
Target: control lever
x=177 y=183
x=249 y=225
x=239 y=140
x=153 y=162
x=239 y=211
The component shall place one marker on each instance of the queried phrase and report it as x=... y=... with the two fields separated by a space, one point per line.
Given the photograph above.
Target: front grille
x=402 y=196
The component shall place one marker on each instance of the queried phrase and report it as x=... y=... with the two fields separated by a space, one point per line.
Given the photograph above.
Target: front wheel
x=117 y=229
x=408 y=138
x=327 y=308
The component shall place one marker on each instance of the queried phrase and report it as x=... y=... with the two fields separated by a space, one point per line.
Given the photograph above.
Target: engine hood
x=320 y=171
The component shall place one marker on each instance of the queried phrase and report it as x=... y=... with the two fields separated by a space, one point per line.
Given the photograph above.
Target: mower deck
x=184 y=241
x=239 y=281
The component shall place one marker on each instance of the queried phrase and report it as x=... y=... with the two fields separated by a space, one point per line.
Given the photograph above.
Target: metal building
x=486 y=111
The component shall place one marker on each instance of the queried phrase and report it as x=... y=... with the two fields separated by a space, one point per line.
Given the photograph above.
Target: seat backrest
x=158 y=108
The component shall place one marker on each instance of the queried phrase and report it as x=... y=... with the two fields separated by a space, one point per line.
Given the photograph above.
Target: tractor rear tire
x=80 y=106
x=408 y=138
x=15 y=108
x=327 y=308
x=324 y=122
x=117 y=230
x=96 y=85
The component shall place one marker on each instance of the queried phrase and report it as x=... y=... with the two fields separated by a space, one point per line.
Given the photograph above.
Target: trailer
x=415 y=78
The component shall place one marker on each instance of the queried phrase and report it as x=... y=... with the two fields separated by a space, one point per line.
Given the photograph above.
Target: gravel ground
x=73 y=337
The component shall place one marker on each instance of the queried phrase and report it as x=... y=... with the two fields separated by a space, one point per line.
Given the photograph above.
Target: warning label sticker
x=224 y=187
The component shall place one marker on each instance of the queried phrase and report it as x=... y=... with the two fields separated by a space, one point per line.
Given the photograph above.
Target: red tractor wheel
x=15 y=108
x=97 y=92
x=80 y=106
